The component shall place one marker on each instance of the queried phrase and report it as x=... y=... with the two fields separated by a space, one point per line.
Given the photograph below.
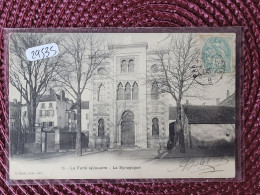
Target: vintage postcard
x=122 y=105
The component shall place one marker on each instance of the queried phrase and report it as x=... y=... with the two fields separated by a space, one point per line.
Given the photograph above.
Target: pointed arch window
x=127 y=91
x=123 y=66
x=120 y=91
x=135 y=91
x=101 y=93
x=155 y=91
x=155 y=126
x=131 y=65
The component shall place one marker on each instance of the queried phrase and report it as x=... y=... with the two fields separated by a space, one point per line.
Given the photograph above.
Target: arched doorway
x=101 y=127
x=155 y=127
x=171 y=131
x=128 y=129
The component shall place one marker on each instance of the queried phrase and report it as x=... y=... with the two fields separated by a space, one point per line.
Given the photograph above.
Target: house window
x=101 y=127
x=135 y=91
x=127 y=91
x=50 y=105
x=154 y=91
x=101 y=93
x=51 y=112
x=87 y=116
x=155 y=126
x=131 y=66
x=48 y=124
x=123 y=66
x=120 y=91
x=42 y=113
x=43 y=105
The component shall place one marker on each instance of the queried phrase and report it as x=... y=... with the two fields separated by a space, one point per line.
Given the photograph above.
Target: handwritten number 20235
x=43 y=53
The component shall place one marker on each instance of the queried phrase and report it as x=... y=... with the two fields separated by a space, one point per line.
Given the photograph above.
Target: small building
x=208 y=126
x=14 y=113
x=84 y=115
x=14 y=125
x=229 y=101
x=54 y=110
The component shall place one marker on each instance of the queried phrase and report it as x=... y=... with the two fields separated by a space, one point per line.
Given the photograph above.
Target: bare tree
x=84 y=53
x=175 y=75
x=31 y=78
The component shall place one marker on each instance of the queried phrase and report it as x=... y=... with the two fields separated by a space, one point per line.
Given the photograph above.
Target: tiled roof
x=209 y=114
x=48 y=98
x=51 y=97
x=229 y=101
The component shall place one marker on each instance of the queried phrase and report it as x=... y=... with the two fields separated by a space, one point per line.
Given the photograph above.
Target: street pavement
x=146 y=154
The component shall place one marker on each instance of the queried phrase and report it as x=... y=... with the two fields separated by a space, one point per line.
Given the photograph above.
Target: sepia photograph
x=122 y=105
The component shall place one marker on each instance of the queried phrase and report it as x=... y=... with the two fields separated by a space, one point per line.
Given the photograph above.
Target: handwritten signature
x=202 y=165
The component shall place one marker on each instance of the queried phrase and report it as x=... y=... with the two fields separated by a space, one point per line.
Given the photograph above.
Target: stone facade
x=123 y=112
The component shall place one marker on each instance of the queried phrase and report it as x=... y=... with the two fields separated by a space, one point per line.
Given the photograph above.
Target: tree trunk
x=180 y=130
x=34 y=118
x=31 y=107
x=78 y=136
x=29 y=110
x=31 y=121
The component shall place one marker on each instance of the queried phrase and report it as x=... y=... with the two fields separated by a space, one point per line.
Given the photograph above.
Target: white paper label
x=42 y=51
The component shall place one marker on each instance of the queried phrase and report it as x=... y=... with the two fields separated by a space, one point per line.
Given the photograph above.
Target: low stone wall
x=84 y=139
x=157 y=141
x=102 y=142
x=212 y=135
x=67 y=140
x=32 y=148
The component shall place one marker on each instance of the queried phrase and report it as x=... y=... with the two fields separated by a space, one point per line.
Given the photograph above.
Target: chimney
x=218 y=101
x=51 y=91
x=228 y=94
x=62 y=95
x=15 y=101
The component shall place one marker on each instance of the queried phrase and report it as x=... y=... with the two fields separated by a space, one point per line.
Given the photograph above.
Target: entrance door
x=50 y=141
x=128 y=129
x=171 y=131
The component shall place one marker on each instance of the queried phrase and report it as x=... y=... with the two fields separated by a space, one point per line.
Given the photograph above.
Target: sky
x=216 y=91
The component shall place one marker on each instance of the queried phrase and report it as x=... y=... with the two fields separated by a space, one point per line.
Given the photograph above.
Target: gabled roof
x=210 y=114
x=13 y=104
x=48 y=98
x=229 y=101
x=51 y=97
x=84 y=105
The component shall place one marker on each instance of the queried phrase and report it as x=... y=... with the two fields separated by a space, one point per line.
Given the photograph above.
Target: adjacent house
x=14 y=124
x=84 y=115
x=14 y=113
x=208 y=126
x=229 y=101
x=54 y=110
